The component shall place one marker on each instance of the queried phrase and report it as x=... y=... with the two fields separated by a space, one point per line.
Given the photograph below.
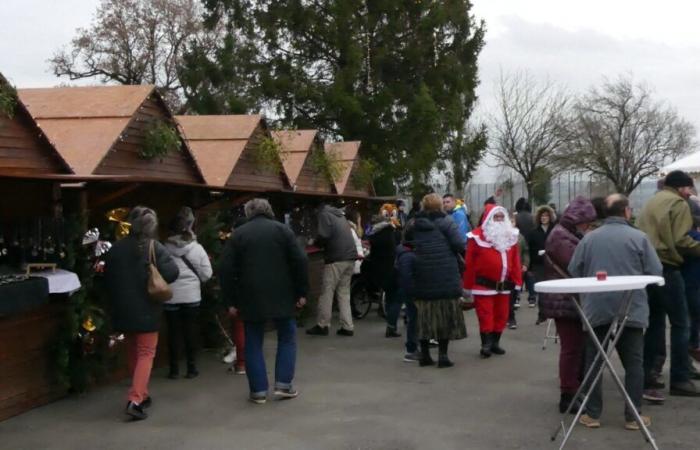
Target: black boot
x=192 y=371
x=485 y=345
x=425 y=358
x=443 y=360
x=495 y=347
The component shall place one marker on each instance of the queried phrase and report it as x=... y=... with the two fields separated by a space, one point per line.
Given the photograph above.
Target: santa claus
x=492 y=271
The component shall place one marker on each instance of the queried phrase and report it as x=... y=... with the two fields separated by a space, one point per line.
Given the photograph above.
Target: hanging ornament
x=119 y=216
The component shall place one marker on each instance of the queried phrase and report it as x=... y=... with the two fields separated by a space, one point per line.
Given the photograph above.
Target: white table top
x=591 y=284
x=61 y=281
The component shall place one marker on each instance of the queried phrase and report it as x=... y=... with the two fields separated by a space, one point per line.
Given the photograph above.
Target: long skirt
x=440 y=319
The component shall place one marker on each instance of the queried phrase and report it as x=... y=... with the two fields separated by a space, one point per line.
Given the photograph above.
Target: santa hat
x=492 y=210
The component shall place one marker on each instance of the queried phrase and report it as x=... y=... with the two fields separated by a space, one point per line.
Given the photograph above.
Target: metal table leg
x=617 y=328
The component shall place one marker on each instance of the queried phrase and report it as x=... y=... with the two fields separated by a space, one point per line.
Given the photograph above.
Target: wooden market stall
x=299 y=148
x=29 y=321
x=347 y=185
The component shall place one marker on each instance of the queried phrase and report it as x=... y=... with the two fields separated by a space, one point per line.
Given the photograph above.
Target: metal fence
x=564 y=188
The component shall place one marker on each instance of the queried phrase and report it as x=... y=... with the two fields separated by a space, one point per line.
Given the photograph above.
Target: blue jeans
x=284 y=362
x=529 y=279
x=668 y=300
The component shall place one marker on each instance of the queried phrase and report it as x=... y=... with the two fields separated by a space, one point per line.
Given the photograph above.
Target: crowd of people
x=434 y=264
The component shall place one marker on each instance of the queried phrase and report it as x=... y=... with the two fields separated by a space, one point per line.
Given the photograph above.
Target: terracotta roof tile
x=219 y=127
x=81 y=102
x=216 y=159
x=348 y=154
x=296 y=144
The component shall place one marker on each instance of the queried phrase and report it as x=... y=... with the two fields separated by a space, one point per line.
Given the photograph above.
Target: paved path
x=356 y=393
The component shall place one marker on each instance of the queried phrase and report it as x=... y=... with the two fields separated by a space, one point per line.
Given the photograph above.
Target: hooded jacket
x=438 y=243
x=483 y=261
x=666 y=220
x=187 y=287
x=335 y=236
x=538 y=236
x=559 y=249
x=382 y=252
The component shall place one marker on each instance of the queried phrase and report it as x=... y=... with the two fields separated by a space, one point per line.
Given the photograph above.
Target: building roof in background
x=347 y=152
x=690 y=164
x=296 y=145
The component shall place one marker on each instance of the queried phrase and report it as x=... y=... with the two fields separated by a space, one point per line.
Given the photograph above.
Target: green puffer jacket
x=666 y=220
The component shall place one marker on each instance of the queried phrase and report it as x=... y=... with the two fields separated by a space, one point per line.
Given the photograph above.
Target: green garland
x=269 y=155
x=8 y=100
x=327 y=164
x=364 y=174
x=160 y=139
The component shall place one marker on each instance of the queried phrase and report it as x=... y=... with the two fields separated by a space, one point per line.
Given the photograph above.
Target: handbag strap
x=556 y=267
x=191 y=267
x=152 y=252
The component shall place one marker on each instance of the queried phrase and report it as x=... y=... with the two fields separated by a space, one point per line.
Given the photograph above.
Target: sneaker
x=258 y=399
x=693 y=372
x=516 y=305
x=239 y=370
x=391 y=333
x=147 y=402
x=317 y=330
x=512 y=325
x=684 y=389
x=588 y=421
x=444 y=362
x=344 y=332
x=411 y=357
x=433 y=343
x=633 y=425
x=230 y=357
x=653 y=396
x=286 y=393
x=135 y=411
x=532 y=303
x=655 y=383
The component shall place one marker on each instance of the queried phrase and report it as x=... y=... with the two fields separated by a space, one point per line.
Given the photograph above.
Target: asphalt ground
x=357 y=393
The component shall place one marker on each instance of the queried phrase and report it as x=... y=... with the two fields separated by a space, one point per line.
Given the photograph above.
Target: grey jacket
x=335 y=236
x=619 y=249
x=187 y=287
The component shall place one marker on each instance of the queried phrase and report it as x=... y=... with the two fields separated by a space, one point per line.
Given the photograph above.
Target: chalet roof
x=25 y=144
x=217 y=142
x=84 y=122
x=347 y=152
x=296 y=144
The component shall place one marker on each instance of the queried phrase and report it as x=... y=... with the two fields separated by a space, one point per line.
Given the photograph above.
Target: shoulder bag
x=158 y=290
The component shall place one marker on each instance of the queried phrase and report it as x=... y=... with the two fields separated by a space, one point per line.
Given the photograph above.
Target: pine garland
x=269 y=155
x=364 y=174
x=327 y=164
x=8 y=100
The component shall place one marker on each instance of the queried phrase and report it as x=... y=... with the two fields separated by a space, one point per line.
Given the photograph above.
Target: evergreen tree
x=397 y=74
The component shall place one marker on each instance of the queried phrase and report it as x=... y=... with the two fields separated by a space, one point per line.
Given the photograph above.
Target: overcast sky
x=573 y=43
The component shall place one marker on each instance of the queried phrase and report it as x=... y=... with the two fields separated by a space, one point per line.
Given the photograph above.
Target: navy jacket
x=438 y=243
x=691 y=267
x=405 y=266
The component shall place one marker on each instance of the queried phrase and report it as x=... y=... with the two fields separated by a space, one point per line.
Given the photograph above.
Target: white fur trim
x=479 y=292
x=480 y=242
x=504 y=264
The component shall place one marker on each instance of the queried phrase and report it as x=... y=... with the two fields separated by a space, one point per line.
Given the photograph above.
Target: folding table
x=627 y=285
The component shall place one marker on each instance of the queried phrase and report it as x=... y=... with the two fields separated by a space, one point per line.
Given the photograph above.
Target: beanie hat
x=678 y=179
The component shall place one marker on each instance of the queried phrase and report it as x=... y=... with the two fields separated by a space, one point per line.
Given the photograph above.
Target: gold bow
x=119 y=215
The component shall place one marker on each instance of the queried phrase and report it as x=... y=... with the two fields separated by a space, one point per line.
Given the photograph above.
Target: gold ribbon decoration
x=119 y=216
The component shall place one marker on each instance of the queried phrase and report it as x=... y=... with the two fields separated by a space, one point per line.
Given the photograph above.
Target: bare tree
x=531 y=125
x=137 y=42
x=623 y=135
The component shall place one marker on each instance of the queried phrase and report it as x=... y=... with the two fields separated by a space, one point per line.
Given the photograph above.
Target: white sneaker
x=230 y=357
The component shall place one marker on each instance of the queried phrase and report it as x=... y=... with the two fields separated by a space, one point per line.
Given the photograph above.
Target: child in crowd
x=405 y=260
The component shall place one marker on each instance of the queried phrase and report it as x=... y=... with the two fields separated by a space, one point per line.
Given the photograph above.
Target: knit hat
x=678 y=179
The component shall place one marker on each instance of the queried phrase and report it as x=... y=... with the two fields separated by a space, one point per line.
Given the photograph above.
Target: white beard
x=502 y=235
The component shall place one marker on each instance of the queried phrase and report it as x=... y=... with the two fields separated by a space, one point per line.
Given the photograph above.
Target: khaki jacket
x=666 y=220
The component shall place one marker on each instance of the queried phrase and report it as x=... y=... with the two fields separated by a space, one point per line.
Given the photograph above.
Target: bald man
x=619 y=249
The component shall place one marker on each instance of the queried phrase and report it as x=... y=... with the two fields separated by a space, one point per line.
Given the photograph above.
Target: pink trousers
x=141 y=349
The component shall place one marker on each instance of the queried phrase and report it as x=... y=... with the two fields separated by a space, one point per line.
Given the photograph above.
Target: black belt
x=496 y=285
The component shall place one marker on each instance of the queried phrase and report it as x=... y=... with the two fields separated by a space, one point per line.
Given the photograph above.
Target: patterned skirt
x=440 y=319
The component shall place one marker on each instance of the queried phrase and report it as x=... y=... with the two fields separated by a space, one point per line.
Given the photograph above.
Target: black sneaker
x=286 y=393
x=257 y=399
x=512 y=325
x=147 y=402
x=317 y=331
x=391 y=333
x=135 y=411
x=426 y=361
x=344 y=332
x=444 y=362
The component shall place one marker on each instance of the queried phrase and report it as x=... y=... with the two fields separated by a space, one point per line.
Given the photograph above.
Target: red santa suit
x=492 y=273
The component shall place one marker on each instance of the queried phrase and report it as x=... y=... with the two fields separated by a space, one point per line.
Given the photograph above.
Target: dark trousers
x=183 y=326
x=630 y=348
x=571 y=350
x=668 y=300
x=392 y=306
x=285 y=360
x=529 y=279
x=411 y=332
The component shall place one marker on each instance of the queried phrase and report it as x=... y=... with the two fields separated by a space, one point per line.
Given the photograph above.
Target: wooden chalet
x=298 y=147
x=224 y=148
x=348 y=153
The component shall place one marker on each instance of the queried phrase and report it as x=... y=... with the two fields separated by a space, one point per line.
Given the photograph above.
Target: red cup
x=601 y=275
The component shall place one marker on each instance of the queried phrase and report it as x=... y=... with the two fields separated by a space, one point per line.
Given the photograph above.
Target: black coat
x=535 y=242
x=380 y=263
x=126 y=277
x=438 y=243
x=263 y=271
